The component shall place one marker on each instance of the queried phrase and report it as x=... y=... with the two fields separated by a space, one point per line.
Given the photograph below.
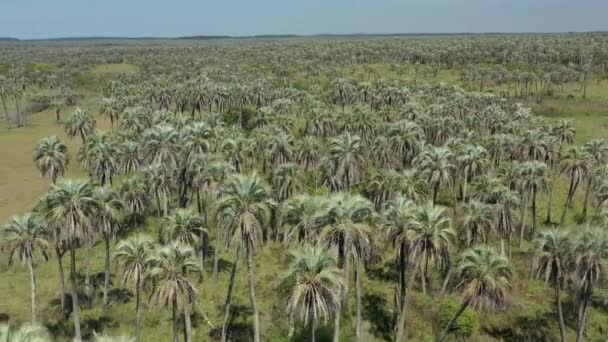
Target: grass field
x=529 y=316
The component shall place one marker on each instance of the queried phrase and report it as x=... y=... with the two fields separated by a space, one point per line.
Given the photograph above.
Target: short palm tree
x=554 y=262
x=25 y=236
x=484 y=278
x=315 y=284
x=171 y=284
x=80 y=123
x=51 y=157
x=135 y=255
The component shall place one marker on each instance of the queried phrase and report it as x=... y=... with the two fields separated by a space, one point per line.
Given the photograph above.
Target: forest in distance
x=394 y=188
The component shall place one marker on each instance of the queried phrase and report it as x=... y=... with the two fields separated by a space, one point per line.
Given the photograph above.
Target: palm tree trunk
x=229 y=295
x=251 y=280
x=187 y=322
x=464 y=186
x=567 y=205
x=402 y=327
x=175 y=322
x=106 y=280
x=202 y=252
x=551 y=190
x=313 y=327
x=216 y=256
x=447 y=328
x=30 y=264
x=337 y=324
x=75 y=308
x=8 y=119
x=358 y=298
x=87 y=274
x=586 y=202
x=560 y=312
x=583 y=316
x=522 y=225
x=61 y=279
x=138 y=291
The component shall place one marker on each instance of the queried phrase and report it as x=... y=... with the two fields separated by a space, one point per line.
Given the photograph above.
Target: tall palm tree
x=484 y=278
x=347 y=228
x=136 y=257
x=554 y=264
x=80 y=123
x=135 y=196
x=563 y=133
x=171 y=284
x=315 y=284
x=26 y=236
x=71 y=204
x=111 y=108
x=160 y=146
x=591 y=254
x=186 y=227
x=243 y=209
x=575 y=164
x=431 y=237
x=398 y=216
x=505 y=203
x=437 y=166
x=51 y=157
x=108 y=219
x=533 y=178
x=99 y=156
x=472 y=162
x=597 y=149
x=129 y=156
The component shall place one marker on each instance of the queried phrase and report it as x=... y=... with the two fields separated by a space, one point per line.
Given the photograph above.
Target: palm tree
x=563 y=132
x=505 y=201
x=478 y=221
x=437 y=166
x=80 y=123
x=135 y=196
x=591 y=253
x=135 y=256
x=533 y=177
x=71 y=204
x=111 y=108
x=431 y=238
x=398 y=215
x=108 y=217
x=315 y=285
x=597 y=150
x=171 y=284
x=158 y=181
x=471 y=162
x=99 y=156
x=554 y=262
x=51 y=157
x=347 y=228
x=25 y=236
x=24 y=333
x=129 y=156
x=243 y=210
x=346 y=161
x=300 y=215
x=160 y=146
x=484 y=278
x=287 y=180
x=575 y=164
x=186 y=227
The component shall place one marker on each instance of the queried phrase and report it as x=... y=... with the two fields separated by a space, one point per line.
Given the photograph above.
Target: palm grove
x=441 y=183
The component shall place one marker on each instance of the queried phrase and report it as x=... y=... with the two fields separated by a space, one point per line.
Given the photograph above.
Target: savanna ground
x=531 y=308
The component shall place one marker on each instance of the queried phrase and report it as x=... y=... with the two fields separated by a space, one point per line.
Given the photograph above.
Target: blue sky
x=169 y=18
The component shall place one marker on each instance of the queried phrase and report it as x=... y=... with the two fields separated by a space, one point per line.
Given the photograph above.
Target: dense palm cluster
x=441 y=182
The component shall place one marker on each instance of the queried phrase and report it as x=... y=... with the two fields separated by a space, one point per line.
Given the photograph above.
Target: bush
x=465 y=326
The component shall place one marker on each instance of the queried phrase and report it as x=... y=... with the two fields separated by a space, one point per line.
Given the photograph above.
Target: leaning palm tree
x=25 y=236
x=80 y=123
x=554 y=261
x=431 y=237
x=347 y=227
x=135 y=256
x=171 y=284
x=108 y=219
x=243 y=210
x=315 y=284
x=71 y=204
x=484 y=278
x=51 y=157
